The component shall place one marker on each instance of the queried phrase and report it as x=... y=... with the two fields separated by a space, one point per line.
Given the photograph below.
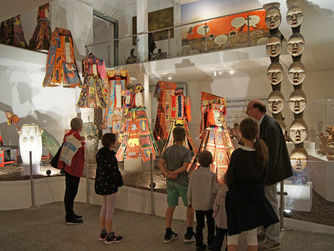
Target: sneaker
x=170 y=237
x=102 y=236
x=73 y=221
x=189 y=237
x=201 y=247
x=114 y=238
x=267 y=246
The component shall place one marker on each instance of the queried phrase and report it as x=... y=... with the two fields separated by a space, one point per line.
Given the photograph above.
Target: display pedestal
x=36 y=169
x=134 y=165
x=322 y=172
x=299 y=197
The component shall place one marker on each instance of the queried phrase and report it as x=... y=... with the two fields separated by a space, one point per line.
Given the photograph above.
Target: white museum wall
x=22 y=93
x=103 y=31
x=204 y=9
x=29 y=22
x=77 y=17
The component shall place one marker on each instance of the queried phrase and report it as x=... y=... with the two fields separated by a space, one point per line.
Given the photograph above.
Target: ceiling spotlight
x=231 y=72
x=169 y=78
x=214 y=73
x=220 y=73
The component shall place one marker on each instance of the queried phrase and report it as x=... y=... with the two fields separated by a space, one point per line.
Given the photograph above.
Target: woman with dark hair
x=246 y=205
x=107 y=180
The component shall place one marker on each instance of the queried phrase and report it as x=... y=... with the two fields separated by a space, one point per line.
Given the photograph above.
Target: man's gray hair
x=76 y=123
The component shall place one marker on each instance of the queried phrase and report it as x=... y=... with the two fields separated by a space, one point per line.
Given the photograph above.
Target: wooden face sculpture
x=30 y=140
x=275 y=102
x=296 y=73
x=298 y=131
x=296 y=45
x=273 y=18
x=297 y=101
x=294 y=17
x=275 y=73
x=299 y=159
x=273 y=46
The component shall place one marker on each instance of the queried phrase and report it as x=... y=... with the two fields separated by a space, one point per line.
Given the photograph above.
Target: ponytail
x=261 y=149
x=249 y=129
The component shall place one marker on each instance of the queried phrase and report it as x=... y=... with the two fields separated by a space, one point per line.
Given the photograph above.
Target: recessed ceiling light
x=214 y=73
x=220 y=73
x=231 y=72
x=169 y=78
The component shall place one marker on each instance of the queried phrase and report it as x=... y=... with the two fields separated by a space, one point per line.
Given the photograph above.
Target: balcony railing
x=238 y=30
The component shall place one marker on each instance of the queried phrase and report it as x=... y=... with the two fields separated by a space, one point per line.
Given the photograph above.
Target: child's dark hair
x=205 y=158
x=249 y=129
x=179 y=133
x=108 y=139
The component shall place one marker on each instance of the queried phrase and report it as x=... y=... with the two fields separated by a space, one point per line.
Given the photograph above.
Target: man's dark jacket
x=279 y=167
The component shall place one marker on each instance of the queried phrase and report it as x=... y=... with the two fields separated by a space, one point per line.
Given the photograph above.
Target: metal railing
x=185 y=39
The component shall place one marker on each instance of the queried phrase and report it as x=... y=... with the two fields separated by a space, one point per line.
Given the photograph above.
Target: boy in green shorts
x=174 y=164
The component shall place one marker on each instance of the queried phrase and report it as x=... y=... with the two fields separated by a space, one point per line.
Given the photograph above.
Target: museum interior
x=141 y=68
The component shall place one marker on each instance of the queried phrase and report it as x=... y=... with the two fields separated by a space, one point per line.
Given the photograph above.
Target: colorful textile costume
x=41 y=38
x=11 y=32
x=180 y=115
x=115 y=99
x=137 y=138
x=92 y=93
x=214 y=135
x=163 y=92
x=61 y=66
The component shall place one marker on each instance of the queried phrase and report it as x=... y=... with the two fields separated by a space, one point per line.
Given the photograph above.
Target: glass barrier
x=239 y=30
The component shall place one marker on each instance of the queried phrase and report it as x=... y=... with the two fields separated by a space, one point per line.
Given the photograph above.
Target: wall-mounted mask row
x=294 y=17
x=297 y=102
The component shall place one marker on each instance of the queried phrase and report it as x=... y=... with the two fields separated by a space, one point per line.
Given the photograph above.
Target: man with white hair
x=279 y=167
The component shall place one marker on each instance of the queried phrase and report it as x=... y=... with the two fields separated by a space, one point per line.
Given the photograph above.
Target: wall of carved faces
x=296 y=75
x=297 y=100
x=275 y=70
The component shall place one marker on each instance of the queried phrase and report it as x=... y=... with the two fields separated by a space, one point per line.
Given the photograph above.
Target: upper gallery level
x=134 y=31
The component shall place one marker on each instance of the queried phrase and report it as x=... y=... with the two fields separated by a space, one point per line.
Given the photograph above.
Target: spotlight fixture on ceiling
x=214 y=73
x=170 y=78
x=231 y=72
x=220 y=73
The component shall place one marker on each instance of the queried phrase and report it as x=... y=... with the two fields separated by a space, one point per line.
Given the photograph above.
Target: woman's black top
x=108 y=177
x=246 y=204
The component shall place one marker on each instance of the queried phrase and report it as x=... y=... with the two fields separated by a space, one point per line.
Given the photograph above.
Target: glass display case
x=319 y=116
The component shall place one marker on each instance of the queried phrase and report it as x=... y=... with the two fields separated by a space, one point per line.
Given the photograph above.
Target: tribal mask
x=298 y=131
x=275 y=73
x=294 y=17
x=275 y=102
x=296 y=45
x=299 y=158
x=273 y=18
x=297 y=101
x=273 y=46
x=296 y=73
